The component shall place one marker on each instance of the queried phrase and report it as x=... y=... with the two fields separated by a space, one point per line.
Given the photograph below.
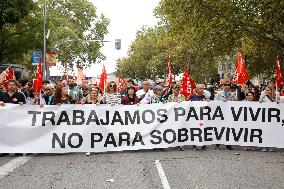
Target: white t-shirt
x=147 y=98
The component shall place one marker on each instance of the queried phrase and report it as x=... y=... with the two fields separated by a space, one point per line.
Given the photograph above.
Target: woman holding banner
x=61 y=96
x=111 y=96
x=176 y=97
x=130 y=97
x=249 y=96
x=157 y=98
x=270 y=97
x=93 y=96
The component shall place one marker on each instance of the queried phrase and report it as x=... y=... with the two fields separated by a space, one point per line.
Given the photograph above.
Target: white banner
x=100 y=128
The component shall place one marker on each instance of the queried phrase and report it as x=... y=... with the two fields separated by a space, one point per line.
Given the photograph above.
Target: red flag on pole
x=103 y=79
x=241 y=74
x=170 y=76
x=73 y=78
x=6 y=75
x=187 y=84
x=279 y=79
x=121 y=83
x=37 y=84
x=67 y=78
x=80 y=76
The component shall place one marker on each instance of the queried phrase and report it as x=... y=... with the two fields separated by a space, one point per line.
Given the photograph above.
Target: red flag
x=241 y=74
x=187 y=84
x=170 y=76
x=103 y=79
x=37 y=84
x=279 y=79
x=121 y=83
x=6 y=76
x=67 y=79
x=80 y=76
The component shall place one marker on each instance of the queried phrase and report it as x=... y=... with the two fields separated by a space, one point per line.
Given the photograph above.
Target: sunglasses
x=227 y=84
x=112 y=85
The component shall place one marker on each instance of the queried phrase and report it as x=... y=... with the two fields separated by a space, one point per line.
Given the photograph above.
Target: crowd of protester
x=59 y=92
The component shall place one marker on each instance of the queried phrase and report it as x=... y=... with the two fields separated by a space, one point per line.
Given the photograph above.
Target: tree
x=148 y=56
x=218 y=28
x=202 y=33
x=17 y=23
x=72 y=24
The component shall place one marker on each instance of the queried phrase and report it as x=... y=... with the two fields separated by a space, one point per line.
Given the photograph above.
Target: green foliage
x=17 y=23
x=201 y=32
x=147 y=55
x=72 y=24
x=224 y=27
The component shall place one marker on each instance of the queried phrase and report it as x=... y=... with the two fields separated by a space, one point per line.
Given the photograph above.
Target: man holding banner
x=199 y=96
x=12 y=95
x=225 y=95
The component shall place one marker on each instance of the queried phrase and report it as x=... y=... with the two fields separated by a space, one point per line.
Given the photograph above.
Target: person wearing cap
x=225 y=95
x=130 y=97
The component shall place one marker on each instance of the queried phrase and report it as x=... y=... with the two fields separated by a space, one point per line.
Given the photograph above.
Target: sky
x=126 y=18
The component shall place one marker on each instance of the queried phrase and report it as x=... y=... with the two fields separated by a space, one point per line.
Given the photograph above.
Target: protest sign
x=101 y=128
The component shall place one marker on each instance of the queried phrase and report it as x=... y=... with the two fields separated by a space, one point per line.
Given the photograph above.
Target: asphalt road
x=138 y=169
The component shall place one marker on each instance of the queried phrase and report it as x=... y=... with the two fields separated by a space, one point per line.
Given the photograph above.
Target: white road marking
x=13 y=164
x=162 y=175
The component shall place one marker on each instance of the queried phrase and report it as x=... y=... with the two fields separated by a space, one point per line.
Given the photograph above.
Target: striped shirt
x=112 y=98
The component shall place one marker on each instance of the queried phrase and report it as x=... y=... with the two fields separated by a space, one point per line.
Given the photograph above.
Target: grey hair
x=157 y=88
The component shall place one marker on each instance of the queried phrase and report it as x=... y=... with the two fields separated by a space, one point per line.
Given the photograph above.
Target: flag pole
x=44 y=42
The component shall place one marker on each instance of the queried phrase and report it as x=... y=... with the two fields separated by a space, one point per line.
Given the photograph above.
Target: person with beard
x=12 y=95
